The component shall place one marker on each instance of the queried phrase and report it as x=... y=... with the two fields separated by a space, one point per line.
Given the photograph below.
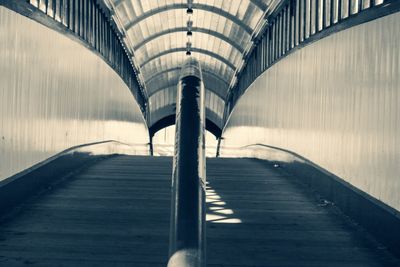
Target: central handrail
x=187 y=233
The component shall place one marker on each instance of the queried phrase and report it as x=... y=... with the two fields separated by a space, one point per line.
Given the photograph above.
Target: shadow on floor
x=260 y=216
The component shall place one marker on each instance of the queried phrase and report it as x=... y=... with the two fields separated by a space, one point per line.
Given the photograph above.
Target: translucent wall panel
x=178 y=40
x=221 y=32
x=172 y=18
x=161 y=103
x=164 y=140
x=177 y=58
x=162 y=98
x=335 y=102
x=215 y=105
x=170 y=77
x=55 y=94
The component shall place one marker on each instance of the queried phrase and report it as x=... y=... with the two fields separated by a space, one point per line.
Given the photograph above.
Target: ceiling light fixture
x=189 y=26
x=189 y=33
x=188 y=47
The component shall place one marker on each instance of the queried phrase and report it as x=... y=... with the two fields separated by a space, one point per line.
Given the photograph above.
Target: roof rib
x=194 y=29
x=193 y=49
x=204 y=7
x=258 y=3
x=211 y=73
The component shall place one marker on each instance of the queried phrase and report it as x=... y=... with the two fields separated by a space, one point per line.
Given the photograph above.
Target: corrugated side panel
x=55 y=94
x=337 y=103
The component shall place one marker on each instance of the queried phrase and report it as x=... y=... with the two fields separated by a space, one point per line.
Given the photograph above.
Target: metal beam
x=207 y=70
x=194 y=29
x=198 y=6
x=193 y=49
x=169 y=120
x=258 y=3
x=176 y=69
x=173 y=84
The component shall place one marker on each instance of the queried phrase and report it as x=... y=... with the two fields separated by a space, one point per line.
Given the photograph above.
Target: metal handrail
x=187 y=233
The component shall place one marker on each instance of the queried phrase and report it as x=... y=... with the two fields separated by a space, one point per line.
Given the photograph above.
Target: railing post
x=217 y=154
x=187 y=233
x=151 y=149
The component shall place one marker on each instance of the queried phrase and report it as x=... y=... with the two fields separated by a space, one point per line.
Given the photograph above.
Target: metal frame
x=172 y=84
x=193 y=49
x=194 y=29
x=211 y=90
x=169 y=120
x=177 y=69
x=204 y=70
x=258 y=3
x=204 y=7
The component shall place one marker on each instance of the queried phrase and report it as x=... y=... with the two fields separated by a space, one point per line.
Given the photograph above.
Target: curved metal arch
x=208 y=72
x=170 y=120
x=176 y=68
x=194 y=29
x=258 y=3
x=170 y=107
x=204 y=7
x=154 y=98
x=172 y=84
x=193 y=49
x=165 y=87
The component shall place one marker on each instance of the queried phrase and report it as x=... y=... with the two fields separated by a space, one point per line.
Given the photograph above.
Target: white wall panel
x=335 y=102
x=55 y=94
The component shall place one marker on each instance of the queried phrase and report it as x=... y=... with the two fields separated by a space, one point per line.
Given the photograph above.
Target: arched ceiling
x=222 y=34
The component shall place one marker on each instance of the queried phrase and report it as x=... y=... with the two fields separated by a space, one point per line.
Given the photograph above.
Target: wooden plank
x=277 y=230
x=116 y=213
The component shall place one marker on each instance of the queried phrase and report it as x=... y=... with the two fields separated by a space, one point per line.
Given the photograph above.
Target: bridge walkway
x=116 y=213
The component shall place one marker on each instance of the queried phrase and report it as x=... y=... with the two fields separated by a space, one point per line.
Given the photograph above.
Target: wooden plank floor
x=116 y=213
